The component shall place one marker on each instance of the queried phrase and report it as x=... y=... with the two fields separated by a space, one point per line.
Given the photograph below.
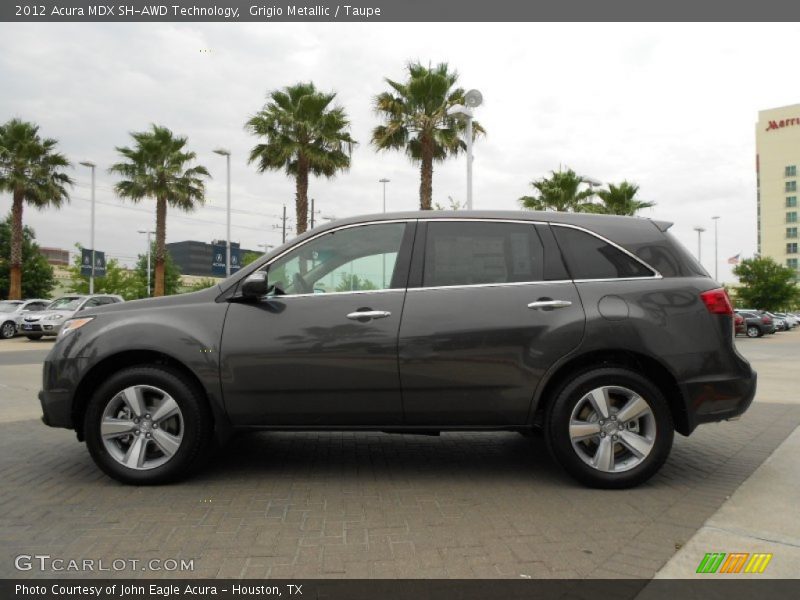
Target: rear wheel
x=610 y=428
x=754 y=332
x=147 y=425
x=8 y=330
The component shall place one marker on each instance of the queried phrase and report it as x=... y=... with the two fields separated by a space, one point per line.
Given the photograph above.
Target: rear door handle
x=365 y=315
x=549 y=304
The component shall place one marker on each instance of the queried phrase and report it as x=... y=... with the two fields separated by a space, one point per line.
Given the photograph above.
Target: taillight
x=717 y=302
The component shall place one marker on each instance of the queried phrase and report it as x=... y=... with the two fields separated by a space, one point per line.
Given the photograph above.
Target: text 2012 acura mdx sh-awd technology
x=601 y=331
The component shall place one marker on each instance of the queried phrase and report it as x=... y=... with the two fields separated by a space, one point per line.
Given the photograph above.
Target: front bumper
x=39 y=328
x=718 y=399
x=59 y=381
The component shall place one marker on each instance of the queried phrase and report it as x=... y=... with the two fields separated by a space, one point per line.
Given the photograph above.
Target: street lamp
x=384 y=181
x=716 y=249
x=472 y=99
x=92 y=166
x=699 y=231
x=227 y=155
x=149 y=233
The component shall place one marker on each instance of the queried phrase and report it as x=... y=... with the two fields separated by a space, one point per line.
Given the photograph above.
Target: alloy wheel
x=142 y=427
x=8 y=330
x=612 y=429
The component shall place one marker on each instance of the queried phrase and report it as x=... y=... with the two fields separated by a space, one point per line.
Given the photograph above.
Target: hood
x=147 y=303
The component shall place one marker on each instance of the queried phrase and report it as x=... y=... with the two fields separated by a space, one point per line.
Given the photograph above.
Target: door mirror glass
x=255 y=286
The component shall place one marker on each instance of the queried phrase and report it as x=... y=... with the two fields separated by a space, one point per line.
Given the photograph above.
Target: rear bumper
x=718 y=399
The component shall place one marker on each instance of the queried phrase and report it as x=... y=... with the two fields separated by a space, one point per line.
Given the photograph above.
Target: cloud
x=668 y=106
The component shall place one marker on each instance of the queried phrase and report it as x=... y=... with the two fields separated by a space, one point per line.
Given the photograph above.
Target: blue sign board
x=218 y=259
x=99 y=262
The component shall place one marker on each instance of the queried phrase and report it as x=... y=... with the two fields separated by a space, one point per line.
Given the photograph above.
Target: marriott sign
x=782 y=123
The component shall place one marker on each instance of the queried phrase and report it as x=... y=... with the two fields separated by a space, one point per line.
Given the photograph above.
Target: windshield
x=66 y=303
x=7 y=307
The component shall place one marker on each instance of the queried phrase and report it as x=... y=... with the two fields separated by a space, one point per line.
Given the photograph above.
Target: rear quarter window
x=589 y=257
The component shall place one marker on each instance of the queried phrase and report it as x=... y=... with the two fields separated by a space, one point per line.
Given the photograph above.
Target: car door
x=489 y=309
x=321 y=348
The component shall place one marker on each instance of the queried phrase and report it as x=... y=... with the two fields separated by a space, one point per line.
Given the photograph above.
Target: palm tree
x=32 y=172
x=561 y=192
x=302 y=134
x=619 y=200
x=155 y=167
x=416 y=120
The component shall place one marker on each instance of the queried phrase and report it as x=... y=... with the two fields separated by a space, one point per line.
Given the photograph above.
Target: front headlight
x=74 y=324
x=55 y=317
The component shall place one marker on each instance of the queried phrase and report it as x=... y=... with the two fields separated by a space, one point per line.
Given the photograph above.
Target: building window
x=791 y=186
x=790 y=171
x=791 y=232
x=791 y=248
x=791 y=217
x=791 y=201
x=791 y=263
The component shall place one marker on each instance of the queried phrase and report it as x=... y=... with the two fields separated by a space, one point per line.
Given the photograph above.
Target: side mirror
x=255 y=285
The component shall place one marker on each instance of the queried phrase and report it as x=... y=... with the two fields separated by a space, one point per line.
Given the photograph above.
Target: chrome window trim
x=656 y=275
x=327 y=294
x=483 y=285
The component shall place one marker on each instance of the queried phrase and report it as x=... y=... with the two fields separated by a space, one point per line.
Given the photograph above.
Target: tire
x=574 y=410
x=8 y=330
x=754 y=332
x=186 y=434
x=34 y=337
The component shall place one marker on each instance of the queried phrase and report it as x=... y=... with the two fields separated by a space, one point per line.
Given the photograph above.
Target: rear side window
x=472 y=253
x=589 y=257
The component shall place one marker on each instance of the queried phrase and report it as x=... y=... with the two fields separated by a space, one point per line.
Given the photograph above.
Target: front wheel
x=8 y=330
x=147 y=425
x=610 y=428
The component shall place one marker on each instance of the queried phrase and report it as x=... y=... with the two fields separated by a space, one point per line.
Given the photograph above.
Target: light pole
x=227 y=155
x=92 y=166
x=699 y=231
x=384 y=181
x=472 y=99
x=149 y=233
x=716 y=249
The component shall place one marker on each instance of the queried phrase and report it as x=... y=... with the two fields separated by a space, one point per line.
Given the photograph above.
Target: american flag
x=734 y=260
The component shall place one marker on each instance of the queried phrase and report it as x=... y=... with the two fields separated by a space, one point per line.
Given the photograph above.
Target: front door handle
x=549 y=304
x=366 y=315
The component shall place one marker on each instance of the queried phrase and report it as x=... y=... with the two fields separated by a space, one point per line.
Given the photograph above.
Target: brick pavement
x=463 y=505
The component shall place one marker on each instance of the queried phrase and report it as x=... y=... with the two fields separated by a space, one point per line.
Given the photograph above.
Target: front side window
x=354 y=259
x=589 y=257
x=479 y=252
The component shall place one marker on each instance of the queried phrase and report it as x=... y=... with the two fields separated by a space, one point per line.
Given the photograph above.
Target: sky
x=671 y=107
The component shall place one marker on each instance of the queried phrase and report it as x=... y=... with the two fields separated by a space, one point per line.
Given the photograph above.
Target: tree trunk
x=426 y=177
x=161 y=251
x=301 y=194
x=15 y=283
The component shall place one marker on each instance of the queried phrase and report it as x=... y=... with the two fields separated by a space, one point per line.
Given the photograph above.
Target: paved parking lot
x=375 y=505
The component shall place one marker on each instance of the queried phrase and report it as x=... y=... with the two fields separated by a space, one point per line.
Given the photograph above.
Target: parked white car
x=12 y=312
x=50 y=320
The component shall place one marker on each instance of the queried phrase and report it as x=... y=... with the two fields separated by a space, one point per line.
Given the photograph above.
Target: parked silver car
x=49 y=321
x=12 y=312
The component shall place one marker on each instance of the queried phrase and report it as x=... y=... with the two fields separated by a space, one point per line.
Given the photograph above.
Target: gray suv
x=600 y=331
